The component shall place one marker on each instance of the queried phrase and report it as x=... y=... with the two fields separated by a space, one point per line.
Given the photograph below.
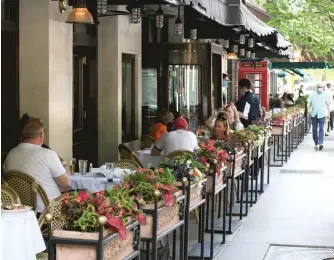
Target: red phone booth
x=258 y=74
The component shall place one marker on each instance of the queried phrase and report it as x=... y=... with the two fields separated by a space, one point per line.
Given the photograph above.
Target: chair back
x=146 y=141
x=126 y=153
x=179 y=152
x=9 y=196
x=27 y=187
x=58 y=221
x=127 y=164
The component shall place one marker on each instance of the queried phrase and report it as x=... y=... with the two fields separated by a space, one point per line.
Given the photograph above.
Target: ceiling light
x=80 y=14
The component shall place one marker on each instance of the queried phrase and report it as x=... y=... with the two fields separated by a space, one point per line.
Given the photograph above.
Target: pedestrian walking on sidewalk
x=320 y=104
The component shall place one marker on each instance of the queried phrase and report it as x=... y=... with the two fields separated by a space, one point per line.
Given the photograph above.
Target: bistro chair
x=27 y=187
x=9 y=196
x=146 y=141
x=126 y=153
x=178 y=153
x=127 y=164
x=57 y=221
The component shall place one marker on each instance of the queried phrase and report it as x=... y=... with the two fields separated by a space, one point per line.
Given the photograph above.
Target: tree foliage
x=307 y=23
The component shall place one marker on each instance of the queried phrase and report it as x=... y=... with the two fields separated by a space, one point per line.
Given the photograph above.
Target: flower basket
x=115 y=249
x=279 y=129
x=196 y=192
x=166 y=218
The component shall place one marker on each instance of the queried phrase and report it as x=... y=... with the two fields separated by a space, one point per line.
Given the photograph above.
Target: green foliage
x=307 y=23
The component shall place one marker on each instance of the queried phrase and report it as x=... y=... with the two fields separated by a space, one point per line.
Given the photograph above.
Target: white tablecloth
x=21 y=238
x=145 y=158
x=93 y=184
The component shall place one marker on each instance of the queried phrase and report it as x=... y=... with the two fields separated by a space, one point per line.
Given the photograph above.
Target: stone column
x=45 y=66
x=116 y=36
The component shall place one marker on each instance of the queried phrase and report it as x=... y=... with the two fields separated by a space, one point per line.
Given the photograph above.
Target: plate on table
x=15 y=208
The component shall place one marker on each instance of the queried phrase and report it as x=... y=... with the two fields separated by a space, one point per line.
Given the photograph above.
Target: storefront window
x=184 y=92
x=128 y=98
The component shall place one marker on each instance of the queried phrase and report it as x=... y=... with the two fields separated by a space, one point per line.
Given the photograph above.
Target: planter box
x=167 y=217
x=196 y=190
x=278 y=129
x=239 y=162
x=117 y=248
x=219 y=179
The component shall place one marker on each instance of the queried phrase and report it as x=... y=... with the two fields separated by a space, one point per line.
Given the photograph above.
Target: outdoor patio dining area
x=182 y=205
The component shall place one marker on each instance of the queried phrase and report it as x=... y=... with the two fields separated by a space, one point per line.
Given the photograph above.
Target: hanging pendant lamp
x=178 y=26
x=159 y=18
x=80 y=14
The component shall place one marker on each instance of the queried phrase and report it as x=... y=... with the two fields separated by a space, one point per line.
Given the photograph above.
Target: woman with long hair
x=233 y=117
x=221 y=129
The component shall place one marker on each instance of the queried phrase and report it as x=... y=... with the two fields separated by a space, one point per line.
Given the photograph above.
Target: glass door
x=184 y=92
x=256 y=80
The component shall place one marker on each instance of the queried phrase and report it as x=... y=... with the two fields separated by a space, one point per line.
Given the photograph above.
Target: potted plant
x=279 y=123
x=155 y=189
x=81 y=211
x=213 y=156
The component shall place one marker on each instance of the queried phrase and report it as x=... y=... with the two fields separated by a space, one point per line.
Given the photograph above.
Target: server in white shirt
x=180 y=139
x=42 y=164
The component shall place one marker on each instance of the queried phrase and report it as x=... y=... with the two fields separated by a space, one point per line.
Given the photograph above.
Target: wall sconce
x=135 y=14
x=193 y=34
x=250 y=42
x=242 y=39
x=80 y=14
x=242 y=52
x=102 y=6
x=159 y=18
x=226 y=44
x=178 y=26
x=232 y=56
x=235 y=48
x=248 y=54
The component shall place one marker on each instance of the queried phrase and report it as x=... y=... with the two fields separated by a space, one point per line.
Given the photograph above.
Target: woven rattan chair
x=178 y=152
x=127 y=154
x=127 y=164
x=9 y=196
x=57 y=221
x=27 y=187
x=146 y=141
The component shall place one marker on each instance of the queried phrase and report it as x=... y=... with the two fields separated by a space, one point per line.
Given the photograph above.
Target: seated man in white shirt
x=42 y=164
x=179 y=139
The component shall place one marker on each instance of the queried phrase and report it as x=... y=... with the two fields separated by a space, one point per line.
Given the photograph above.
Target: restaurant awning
x=302 y=65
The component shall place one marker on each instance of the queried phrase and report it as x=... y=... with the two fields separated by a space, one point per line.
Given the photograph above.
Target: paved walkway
x=297 y=209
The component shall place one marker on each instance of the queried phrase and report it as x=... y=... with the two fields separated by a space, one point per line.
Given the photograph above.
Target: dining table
x=146 y=158
x=21 y=237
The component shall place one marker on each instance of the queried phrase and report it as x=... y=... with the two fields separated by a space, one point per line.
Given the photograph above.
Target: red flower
x=202 y=160
x=84 y=195
x=77 y=199
x=141 y=218
x=116 y=225
x=169 y=199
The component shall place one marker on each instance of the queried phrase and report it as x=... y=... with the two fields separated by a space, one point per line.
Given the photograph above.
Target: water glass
x=83 y=167
x=72 y=164
x=110 y=170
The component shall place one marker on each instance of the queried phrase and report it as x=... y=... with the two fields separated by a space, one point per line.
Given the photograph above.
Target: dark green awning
x=302 y=65
x=298 y=72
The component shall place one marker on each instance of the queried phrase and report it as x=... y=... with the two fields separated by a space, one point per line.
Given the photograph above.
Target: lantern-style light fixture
x=235 y=48
x=242 y=52
x=250 y=42
x=232 y=56
x=193 y=34
x=242 y=39
x=253 y=55
x=248 y=54
x=159 y=18
x=226 y=44
x=80 y=14
x=135 y=14
x=178 y=26
x=102 y=7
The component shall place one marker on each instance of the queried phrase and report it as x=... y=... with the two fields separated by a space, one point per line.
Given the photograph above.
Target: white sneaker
x=316 y=147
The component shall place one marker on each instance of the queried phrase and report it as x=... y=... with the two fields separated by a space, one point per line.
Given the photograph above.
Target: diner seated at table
x=42 y=164
x=160 y=128
x=210 y=122
x=179 y=139
x=221 y=128
x=23 y=121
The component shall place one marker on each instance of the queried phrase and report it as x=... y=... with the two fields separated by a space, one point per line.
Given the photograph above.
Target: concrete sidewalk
x=297 y=209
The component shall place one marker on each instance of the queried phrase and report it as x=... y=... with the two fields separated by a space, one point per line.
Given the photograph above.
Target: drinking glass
x=110 y=170
x=83 y=167
x=72 y=164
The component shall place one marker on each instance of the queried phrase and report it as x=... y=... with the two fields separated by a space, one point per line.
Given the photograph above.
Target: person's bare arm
x=63 y=182
x=329 y=110
x=208 y=122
